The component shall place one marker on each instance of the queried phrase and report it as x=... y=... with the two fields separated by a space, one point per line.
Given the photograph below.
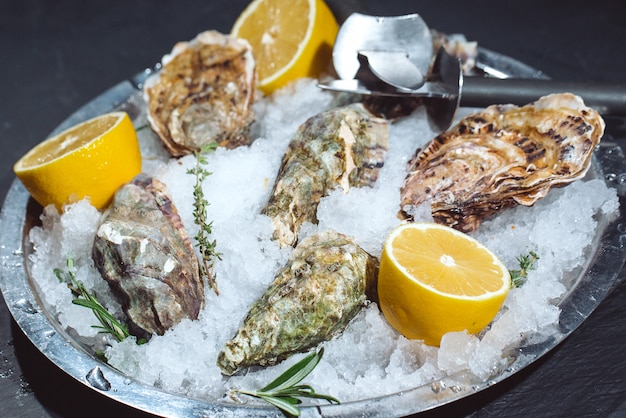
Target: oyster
x=143 y=251
x=458 y=46
x=501 y=157
x=312 y=299
x=342 y=147
x=203 y=94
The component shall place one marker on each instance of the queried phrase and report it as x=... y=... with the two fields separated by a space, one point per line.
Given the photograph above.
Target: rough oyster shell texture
x=501 y=157
x=203 y=94
x=144 y=253
x=342 y=147
x=312 y=299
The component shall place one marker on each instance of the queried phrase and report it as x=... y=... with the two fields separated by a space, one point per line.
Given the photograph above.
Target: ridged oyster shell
x=501 y=157
x=203 y=94
x=143 y=251
x=342 y=147
x=313 y=298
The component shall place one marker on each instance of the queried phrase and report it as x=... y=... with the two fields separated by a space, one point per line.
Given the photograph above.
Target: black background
x=57 y=55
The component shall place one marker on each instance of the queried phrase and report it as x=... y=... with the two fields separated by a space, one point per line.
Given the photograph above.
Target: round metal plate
x=606 y=258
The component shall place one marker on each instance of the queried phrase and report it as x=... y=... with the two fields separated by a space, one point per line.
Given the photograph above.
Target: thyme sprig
x=526 y=263
x=82 y=297
x=207 y=248
x=284 y=392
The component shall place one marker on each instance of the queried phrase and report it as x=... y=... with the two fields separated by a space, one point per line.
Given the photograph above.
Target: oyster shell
x=501 y=157
x=342 y=147
x=457 y=45
x=203 y=94
x=143 y=251
x=312 y=299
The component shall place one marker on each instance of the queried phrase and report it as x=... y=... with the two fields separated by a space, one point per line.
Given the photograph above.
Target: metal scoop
x=364 y=43
x=392 y=56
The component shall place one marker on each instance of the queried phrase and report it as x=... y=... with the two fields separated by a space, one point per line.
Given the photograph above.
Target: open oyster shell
x=203 y=94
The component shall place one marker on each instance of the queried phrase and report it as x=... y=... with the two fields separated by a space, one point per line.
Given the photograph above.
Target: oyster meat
x=501 y=157
x=342 y=147
x=203 y=94
x=313 y=298
x=143 y=251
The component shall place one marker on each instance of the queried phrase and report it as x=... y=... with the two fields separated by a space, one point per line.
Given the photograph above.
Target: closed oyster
x=203 y=94
x=501 y=157
x=342 y=147
x=144 y=253
x=312 y=299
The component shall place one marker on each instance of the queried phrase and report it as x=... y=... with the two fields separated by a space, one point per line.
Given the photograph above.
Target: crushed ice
x=370 y=358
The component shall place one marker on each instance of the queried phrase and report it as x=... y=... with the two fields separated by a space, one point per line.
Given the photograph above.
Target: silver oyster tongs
x=393 y=56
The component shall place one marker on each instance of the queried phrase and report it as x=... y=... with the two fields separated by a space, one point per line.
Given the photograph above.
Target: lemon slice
x=290 y=39
x=434 y=279
x=92 y=159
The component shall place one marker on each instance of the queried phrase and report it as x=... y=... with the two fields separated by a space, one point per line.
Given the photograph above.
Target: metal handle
x=607 y=99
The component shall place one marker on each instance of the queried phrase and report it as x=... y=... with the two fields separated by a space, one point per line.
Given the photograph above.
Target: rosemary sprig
x=207 y=248
x=526 y=263
x=82 y=297
x=284 y=391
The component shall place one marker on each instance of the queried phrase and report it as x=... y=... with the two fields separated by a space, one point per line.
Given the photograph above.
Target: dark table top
x=57 y=55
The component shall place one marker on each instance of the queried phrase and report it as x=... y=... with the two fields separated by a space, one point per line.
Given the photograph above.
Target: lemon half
x=91 y=159
x=434 y=279
x=290 y=39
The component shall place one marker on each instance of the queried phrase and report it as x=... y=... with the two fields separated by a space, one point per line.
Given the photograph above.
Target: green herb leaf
x=207 y=248
x=526 y=263
x=296 y=373
x=82 y=297
x=284 y=391
x=285 y=404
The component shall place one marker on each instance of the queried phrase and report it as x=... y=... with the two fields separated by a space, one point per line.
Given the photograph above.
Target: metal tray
x=601 y=274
